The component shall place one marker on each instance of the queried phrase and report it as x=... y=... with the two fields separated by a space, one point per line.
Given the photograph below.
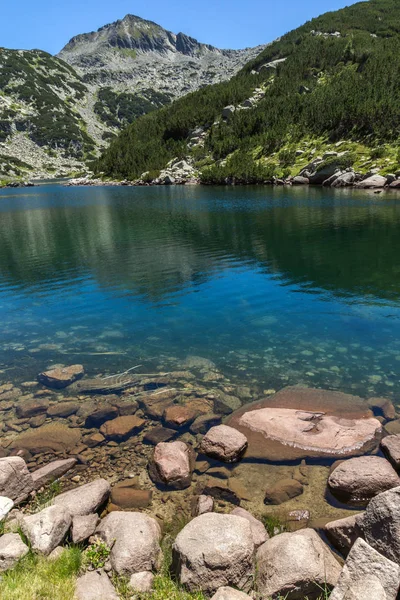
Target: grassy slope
x=352 y=95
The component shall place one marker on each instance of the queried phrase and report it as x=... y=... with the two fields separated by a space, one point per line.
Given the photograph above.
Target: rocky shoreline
x=148 y=449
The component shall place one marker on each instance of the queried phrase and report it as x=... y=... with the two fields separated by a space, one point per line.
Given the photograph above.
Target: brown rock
x=177 y=416
x=220 y=490
x=54 y=437
x=393 y=427
x=284 y=490
x=159 y=434
x=383 y=407
x=391 y=447
x=224 y=443
x=94 y=440
x=172 y=465
x=101 y=415
x=357 y=480
x=125 y=496
x=154 y=405
x=62 y=409
x=121 y=427
x=61 y=377
x=204 y=422
x=31 y=408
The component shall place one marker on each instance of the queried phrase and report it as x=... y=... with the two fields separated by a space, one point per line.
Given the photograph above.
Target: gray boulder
x=367 y=574
x=228 y=593
x=373 y=182
x=258 y=531
x=343 y=533
x=296 y=565
x=86 y=499
x=391 y=448
x=16 y=482
x=224 y=443
x=299 y=180
x=52 y=471
x=12 y=549
x=142 y=582
x=47 y=529
x=323 y=173
x=135 y=540
x=381 y=524
x=213 y=551
x=6 y=504
x=83 y=526
x=95 y=585
x=344 y=180
x=357 y=480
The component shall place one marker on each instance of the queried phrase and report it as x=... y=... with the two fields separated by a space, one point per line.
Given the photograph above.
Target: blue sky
x=49 y=24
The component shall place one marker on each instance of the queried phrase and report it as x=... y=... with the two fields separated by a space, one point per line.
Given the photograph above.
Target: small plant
x=96 y=555
x=274 y=525
x=45 y=498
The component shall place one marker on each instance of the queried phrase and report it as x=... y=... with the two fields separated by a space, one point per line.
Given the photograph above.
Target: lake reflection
x=274 y=285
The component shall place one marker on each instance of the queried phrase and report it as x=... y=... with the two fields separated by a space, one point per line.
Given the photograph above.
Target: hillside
x=328 y=87
x=56 y=113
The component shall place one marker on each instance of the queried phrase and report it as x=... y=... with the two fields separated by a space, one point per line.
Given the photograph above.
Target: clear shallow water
x=276 y=286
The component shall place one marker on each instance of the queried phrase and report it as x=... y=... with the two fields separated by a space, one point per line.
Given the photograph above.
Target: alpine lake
x=215 y=297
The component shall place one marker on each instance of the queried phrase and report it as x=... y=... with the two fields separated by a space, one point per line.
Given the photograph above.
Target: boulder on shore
x=47 y=529
x=367 y=574
x=224 y=443
x=342 y=533
x=134 y=539
x=228 y=593
x=95 y=585
x=296 y=565
x=172 y=465
x=16 y=482
x=85 y=499
x=258 y=531
x=373 y=182
x=12 y=549
x=61 y=377
x=391 y=448
x=380 y=524
x=357 y=480
x=213 y=551
x=52 y=471
x=83 y=526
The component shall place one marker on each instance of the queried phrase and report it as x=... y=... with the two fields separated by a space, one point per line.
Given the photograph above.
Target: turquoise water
x=276 y=286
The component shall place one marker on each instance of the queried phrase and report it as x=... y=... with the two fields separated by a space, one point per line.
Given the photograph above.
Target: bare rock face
x=83 y=526
x=47 y=529
x=391 y=448
x=304 y=422
x=357 y=480
x=228 y=593
x=172 y=465
x=342 y=533
x=52 y=471
x=224 y=443
x=95 y=585
x=61 y=377
x=214 y=550
x=16 y=482
x=380 y=524
x=295 y=565
x=86 y=499
x=142 y=582
x=135 y=540
x=12 y=549
x=258 y=531
x=122 y=427
x=367 y=574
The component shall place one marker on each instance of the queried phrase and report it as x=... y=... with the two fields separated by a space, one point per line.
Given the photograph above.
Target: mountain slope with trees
x=333 y=80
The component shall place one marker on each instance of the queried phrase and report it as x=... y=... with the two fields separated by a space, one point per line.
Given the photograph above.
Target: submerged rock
x=302 y=422
x=212 y=551
x=122 y=427
x=54 y=437
x=61 y=377
x=282 y=491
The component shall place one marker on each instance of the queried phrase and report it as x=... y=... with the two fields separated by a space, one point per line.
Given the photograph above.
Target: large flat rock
x=304 y=422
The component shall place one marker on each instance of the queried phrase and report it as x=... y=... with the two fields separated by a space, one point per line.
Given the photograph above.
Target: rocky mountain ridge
x=58 y=112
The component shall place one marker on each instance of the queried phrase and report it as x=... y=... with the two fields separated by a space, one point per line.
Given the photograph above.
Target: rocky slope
x=56 y=116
